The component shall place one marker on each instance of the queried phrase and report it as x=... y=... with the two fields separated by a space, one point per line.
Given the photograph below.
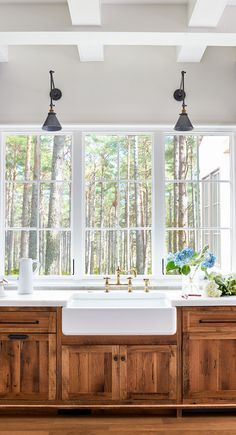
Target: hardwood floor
x=116 y=425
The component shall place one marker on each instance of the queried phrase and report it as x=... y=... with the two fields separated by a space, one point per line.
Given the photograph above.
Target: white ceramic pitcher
x=26 y=274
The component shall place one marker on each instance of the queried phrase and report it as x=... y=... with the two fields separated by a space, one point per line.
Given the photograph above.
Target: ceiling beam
x=201 y=13
x=205 y=13
x=3 y=53
x=91 y=53
x=119 y=38
x=85 y=12
x=190 y=53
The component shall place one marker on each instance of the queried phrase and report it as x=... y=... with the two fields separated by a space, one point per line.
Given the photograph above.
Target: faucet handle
x=129 y=278
x=146 y=284
x=107 y=278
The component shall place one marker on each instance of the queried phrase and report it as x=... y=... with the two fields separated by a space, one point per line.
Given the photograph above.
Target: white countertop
x=59 y=298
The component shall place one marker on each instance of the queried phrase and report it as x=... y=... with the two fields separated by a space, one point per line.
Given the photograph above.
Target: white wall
x=133 y=84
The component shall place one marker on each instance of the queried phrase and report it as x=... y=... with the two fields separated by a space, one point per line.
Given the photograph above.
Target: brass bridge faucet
x=118 y=281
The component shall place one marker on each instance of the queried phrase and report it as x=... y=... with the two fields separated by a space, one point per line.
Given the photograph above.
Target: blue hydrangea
x=209 y=261
x=183 y=257
x=170 y=257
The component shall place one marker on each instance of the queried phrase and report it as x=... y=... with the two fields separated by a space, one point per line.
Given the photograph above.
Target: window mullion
x=78 y=204
x=158 y=201
x=2 y=202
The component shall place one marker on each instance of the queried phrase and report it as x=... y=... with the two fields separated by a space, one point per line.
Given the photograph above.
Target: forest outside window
x=197 y=195
x=38 y=202
x=111 y=211
x=118 y=177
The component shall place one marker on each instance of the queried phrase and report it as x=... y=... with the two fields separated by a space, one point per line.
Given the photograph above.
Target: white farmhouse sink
x=119 y=313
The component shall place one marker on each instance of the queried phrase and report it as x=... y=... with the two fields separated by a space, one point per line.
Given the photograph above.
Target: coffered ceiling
x=189 y=25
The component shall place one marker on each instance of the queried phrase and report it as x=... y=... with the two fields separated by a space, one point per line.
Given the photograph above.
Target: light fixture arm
x=55 y=93
x=179 y=94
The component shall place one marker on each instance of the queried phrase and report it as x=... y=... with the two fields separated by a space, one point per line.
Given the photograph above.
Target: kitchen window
x=84 y=202
x=197 y=191
x=38 y=202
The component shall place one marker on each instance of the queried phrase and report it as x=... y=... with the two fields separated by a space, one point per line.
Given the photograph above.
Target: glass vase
x=190 y=284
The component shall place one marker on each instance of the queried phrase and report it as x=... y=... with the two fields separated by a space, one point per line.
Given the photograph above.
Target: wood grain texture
x=27 y=367
x=209 y=319
x=151 y=373
x=89 y=373
x=27 y=321
x=209 y=368
x=117 y=425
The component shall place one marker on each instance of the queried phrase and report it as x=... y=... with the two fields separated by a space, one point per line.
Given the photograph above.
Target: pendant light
x=183 y=123
x=52 y=123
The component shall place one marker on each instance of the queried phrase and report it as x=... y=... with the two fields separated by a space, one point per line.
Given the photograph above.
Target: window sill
x=94 y=284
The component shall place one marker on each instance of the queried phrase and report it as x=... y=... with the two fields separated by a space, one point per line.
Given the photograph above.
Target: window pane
x=193 y=205
x=101 y=252
x=55 y=158
x=55 y=252
x=56 y=196
x=19 y=205
x=183 y=205
x=105 y=250
x=218 y=241
x=135 y=205
x=101 y=205
x=141 y=252
x=20 y=152
x=101 y=156
x=195 y=157
x=181 y=157
x=135 y=157
x=19 y=244
x=122 y=200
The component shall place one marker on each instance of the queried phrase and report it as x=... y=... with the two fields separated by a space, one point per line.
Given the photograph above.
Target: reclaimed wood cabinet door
x=27 y=366
x=148 y=373
x=209 y=367
x=90 y=373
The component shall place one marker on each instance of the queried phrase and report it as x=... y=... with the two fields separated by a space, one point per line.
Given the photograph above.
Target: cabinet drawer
x=27 y=321
x=217 y=319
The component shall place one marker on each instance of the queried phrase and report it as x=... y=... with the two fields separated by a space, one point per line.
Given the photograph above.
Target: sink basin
x=119 y=313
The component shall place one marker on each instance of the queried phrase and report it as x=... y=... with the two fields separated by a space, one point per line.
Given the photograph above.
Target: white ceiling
x=145 y=2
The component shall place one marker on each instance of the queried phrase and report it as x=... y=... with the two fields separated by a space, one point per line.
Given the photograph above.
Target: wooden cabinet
x=148 y=373
x=119 y=373
x=90 y=372
x=209 y=355
x=27 y=354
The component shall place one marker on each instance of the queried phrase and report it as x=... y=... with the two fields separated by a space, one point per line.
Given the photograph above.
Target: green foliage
x=227 y=284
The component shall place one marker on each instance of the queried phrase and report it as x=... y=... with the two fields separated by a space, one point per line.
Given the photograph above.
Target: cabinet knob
x=123 y=358
x=115 y=358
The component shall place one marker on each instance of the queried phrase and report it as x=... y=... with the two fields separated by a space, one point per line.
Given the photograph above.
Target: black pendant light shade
x=183 y=123
x=51 y=123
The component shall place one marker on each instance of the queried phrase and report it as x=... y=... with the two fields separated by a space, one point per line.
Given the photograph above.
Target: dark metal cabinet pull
x=18 y=336
x=217 y=321
x=123 y=358
x=115 y=358
x=23 y=322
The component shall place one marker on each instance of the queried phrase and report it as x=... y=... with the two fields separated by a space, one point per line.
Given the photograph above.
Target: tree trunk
x=54 y=213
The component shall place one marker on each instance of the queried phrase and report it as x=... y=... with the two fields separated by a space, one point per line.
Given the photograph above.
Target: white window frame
x=158 y=191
